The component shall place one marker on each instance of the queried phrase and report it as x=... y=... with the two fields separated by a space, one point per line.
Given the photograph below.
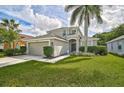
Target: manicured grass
x=73 y=71
x=2 y=54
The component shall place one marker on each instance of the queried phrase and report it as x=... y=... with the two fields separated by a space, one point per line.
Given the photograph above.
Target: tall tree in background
x=82 y=14
x=107 y=36
x=1 y=35
x=9 y=31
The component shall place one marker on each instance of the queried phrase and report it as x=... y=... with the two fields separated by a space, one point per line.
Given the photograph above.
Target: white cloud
x=30 y=30
x=46 y=23
x=40 y=23
x=112 y=17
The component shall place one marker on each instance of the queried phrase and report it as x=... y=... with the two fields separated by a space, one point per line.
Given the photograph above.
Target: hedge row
x=1 y=50
x=13 y=52
x=98 y=50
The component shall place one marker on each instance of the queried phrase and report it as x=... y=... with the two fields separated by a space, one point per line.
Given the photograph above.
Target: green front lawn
x=2 y=54
x=73 y=71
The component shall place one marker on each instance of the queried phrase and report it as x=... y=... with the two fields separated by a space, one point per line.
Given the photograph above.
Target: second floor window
x=73 y=31
x=64 y=33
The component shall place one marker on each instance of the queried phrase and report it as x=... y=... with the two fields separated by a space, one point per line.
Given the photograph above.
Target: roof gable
x=118 y=38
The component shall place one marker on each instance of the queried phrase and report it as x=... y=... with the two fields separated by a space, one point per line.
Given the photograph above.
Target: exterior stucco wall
x=60 y=47
x=113 y=47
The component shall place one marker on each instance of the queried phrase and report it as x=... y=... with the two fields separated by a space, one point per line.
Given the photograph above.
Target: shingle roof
x=48 y=36
x=25 y=36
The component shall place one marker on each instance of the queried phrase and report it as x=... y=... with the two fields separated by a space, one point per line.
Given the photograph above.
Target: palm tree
x=10 y=24
x=12 y=32
x=82 y=14
x=1 y=35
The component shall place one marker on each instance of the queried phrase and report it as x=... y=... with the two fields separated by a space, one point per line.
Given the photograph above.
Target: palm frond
x=4 y=20
x=81 y=17
x=16 y=25
x=3 y=24
x=12 y=20
x=75 y=14
x=18 y=30
x=99 y=19
x=97 y=11
x=69 y=8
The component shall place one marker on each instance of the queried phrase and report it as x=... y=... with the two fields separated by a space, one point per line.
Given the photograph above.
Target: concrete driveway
x=23 y=58
x=10 y=61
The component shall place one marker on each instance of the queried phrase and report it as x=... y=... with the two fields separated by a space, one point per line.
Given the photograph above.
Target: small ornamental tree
x=48 y=51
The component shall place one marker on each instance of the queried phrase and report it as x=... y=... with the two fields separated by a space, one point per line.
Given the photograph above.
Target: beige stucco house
x=64 y=41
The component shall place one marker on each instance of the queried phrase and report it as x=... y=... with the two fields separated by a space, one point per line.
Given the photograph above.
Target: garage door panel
x=36 y=48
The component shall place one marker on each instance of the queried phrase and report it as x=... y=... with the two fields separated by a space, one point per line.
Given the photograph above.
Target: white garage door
x=36 y=48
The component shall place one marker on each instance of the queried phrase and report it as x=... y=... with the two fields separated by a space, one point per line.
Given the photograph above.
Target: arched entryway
x=72 y=45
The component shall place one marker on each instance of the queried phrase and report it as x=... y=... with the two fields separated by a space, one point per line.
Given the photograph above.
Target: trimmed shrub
x=48 y=51
x=90 y=49
x=101 y=50
x=23 y=49
x=1 y=50
x=9 y=52
x=98 y=50
x=81 y=49
x=17 y=52
x=14 y=52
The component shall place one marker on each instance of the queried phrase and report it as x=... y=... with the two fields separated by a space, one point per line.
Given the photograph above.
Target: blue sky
x=25 y=15
x=21 y=21
x=36 y=20
x=53 y=11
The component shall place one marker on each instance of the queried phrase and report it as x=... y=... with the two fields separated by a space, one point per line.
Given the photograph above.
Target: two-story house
x=64 y=40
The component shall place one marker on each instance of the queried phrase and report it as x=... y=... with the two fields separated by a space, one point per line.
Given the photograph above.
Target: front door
x=73 y=47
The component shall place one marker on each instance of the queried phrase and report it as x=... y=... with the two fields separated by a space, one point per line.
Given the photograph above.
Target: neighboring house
x=91 y=41
x=21 y=41
x=116 y=45
x=17 y=44
x=64 y=40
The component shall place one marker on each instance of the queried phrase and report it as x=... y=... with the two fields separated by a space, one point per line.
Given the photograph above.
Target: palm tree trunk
x=85 y=34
